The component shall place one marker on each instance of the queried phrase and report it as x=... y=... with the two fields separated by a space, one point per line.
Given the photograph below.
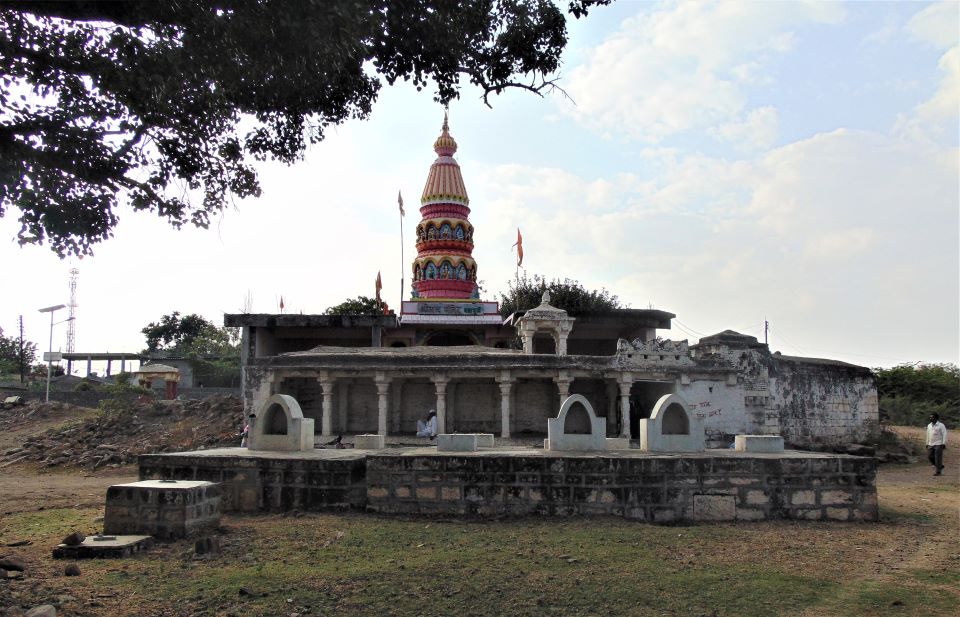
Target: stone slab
x=369 y=442
x=457 y=442
x=104 y=547
x=758 y=443
x=714 y=507
x=484 y=440
x=618 y=443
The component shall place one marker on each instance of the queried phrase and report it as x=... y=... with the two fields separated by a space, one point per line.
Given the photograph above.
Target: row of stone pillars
x=505 y=381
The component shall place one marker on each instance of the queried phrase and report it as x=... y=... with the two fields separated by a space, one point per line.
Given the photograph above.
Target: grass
x=368 y=565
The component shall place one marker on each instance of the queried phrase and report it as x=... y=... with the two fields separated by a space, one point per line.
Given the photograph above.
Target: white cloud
x=934 y=117
x=757 y=130
x=834 y=238
x=683 y=66
x=937 y=24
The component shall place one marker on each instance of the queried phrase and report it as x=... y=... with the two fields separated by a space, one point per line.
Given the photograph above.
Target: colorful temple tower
x=445 y=291
x=444 y=268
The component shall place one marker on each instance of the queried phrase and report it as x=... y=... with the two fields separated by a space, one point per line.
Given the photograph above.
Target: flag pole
x=402 y=260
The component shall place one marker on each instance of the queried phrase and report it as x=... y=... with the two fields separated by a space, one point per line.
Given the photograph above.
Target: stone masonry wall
x=823 y=403
x=253 y=484
x=653 y=489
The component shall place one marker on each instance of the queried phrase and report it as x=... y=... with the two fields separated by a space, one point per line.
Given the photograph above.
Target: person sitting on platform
x=428 y=428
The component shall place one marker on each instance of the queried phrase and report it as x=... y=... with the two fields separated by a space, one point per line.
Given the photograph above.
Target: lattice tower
x=72 y=324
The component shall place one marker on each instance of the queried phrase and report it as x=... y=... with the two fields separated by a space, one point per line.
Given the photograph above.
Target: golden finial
x=446 y=114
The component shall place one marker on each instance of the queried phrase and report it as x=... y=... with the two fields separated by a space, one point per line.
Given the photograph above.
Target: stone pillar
x=625 y=407
x=343 y=403
x=611 y=408
x=563 y=384
x=123 y=365
x=326 y=419
x=395 y=404
x=527 y=336
x=69 y=366
x=383 y=388
x=90 y=366
x=441 y=384
x=109 y=361
x=506 y=384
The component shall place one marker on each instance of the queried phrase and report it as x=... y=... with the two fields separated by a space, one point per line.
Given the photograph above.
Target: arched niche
x=279 y=425
x=671 y=427
x=571 y=415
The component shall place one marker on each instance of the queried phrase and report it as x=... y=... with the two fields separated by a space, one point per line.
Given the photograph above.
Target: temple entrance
x=448 y=339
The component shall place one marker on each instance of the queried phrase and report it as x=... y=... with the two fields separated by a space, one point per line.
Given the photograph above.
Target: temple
x=450 y=351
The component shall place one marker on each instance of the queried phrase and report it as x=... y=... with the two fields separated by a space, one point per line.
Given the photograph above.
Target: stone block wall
x=659 y=489
x=255 y=484
x=166 y=511
x=819 y=402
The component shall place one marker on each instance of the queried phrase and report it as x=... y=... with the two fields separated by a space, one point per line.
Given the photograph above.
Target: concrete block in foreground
x=758 y=443
x=165 y=509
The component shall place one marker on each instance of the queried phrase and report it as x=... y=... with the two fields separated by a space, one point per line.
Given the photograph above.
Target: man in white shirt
x=428 y=428
x=936 y=442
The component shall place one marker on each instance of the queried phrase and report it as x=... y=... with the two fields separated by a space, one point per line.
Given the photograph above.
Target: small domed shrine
x=444 y=267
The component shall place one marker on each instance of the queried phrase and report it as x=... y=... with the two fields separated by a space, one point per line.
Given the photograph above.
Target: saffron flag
x=379 y=286
x=281 y=304
x=400 y=203
x=519 y=245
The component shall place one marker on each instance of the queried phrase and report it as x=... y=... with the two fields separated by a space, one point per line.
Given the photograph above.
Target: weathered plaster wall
x=364 y=412
x=823 y=403
x=476 y=407
x=721 y=407
x=417 y=398
x=533 y=403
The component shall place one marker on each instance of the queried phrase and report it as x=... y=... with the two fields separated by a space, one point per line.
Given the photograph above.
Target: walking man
x=936 y=442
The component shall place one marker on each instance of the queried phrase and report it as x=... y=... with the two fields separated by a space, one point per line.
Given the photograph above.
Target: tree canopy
x=525 y=293
x=165 y=106
x=909 y=393
x=13 y=356
x=362 y=305
x=190 y=335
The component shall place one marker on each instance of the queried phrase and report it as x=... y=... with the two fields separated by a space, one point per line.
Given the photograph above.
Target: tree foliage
x=190 y=335
x=909 y=393
x=362 y=305
x=525 y=293
x=148 y=102
x=10 y=354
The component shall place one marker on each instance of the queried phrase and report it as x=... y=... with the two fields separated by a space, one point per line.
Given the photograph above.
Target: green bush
x=910 y=393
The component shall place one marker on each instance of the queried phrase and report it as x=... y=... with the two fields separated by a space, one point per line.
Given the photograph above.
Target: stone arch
x=558 y=438
x=280 y=425
x=671 y=427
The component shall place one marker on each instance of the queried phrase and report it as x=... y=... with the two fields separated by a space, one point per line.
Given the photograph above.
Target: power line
x=685 y=326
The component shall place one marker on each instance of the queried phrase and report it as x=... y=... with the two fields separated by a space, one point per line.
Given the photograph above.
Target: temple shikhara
x=451 y=351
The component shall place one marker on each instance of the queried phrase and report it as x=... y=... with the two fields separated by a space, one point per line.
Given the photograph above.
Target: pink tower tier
x=444 y=267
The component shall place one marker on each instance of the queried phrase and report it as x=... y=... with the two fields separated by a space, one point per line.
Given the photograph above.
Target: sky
x=728 y=162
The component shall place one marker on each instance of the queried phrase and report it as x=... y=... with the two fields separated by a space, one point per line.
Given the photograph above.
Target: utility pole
x=22 y=365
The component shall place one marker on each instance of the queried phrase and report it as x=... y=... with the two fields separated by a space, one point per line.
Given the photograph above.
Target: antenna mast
x=72 y=324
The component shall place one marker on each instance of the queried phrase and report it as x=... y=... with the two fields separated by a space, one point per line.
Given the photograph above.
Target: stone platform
x=716 y=485
x=104 y=547
x=165 y=508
